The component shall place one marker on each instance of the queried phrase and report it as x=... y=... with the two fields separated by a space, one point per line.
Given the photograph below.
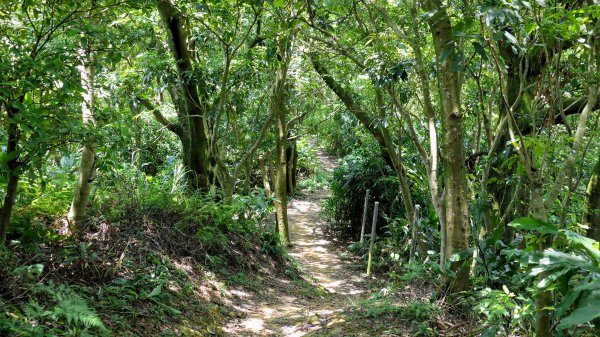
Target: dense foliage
x=136 y=131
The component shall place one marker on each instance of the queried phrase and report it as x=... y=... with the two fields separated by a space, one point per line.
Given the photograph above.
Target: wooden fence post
x=364 y=219
x=375 y=210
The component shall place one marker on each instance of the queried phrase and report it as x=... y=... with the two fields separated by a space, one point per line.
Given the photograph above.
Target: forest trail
x=321 y=307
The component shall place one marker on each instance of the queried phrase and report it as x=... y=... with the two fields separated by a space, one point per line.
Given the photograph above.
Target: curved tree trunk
x=380 y=133
x=191 y=87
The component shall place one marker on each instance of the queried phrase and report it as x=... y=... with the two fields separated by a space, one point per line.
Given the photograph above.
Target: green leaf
x=156 y=291
x=491 y=331
x=554 y=259
x=547 y=281
x=566 y=303
x=589 y=286
x=588 y=310
x=579 y=240
x=533 y=224
x=27 y=99
x=511 y=38
x=480 y=50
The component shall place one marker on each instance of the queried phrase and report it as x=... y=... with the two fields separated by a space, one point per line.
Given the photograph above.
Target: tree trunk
x=291 y=160
x=12 y=176
x=543 y=299
x=279 y=111
x=266 y=177
x=87 y=71
x=591 y=217
x=281 y=181
x=456 y=206
x=380 y=133
x=192 y=89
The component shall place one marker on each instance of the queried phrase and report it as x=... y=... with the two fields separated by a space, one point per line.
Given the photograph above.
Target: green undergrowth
x=148 y=262
x=317 y=180
x=419 y=316
x=312 y=174
x=412 y=293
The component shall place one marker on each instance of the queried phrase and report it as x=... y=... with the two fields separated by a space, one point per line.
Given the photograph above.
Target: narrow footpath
x=323 y=306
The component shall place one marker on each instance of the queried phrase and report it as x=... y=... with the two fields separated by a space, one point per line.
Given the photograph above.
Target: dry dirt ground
x=325 y=301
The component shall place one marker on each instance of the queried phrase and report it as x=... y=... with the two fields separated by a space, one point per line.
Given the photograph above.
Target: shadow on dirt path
x=290 y=308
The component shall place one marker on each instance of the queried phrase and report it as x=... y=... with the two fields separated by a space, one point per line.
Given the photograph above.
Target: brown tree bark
x=291 y=155
x=456 y=191
x=192 y=89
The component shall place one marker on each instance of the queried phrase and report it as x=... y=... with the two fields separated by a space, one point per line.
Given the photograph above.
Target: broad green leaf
x=547 y=281
x=588 y=286
x=579 y=240
x=511 y=38
x=533 y=224
x=156 y=291
x=553 y=259
x=566 y=303
x=27 y=99
x=587 y=311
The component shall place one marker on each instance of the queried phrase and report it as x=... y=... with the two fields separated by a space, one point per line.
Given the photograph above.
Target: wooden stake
x=375 y=210
x=415 y=228
x=364 y=220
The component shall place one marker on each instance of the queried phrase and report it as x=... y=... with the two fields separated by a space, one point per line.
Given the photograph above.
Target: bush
x=351 y=179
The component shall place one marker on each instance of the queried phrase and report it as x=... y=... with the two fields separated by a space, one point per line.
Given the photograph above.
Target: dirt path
x=295 y=308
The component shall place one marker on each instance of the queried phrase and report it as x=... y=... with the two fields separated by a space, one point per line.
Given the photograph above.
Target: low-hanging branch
x=173 y=127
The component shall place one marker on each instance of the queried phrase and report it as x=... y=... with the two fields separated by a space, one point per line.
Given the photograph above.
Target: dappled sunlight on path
x=316 y=254
x=295 y=308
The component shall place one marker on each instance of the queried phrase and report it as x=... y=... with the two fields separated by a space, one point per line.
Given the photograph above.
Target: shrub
x=351 y=179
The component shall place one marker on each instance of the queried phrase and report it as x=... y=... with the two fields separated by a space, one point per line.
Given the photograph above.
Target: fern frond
x=76 y=311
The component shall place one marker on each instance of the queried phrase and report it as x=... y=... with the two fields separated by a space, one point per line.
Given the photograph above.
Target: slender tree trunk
x=87 y=71
x=247 y=178
x=271 y=177
x=266 y=179
x=456 y=206
x=279 y=111
x=291 y=159
x=12 y=176
x=591 y=216
x=432 y=161
x=281 y=181
x=380 y=133
x=543 y=299
x=295 y=168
